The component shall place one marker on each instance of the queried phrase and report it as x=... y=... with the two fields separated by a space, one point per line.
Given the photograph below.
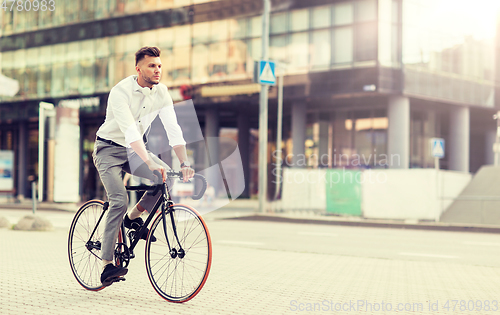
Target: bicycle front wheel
x=85 y=252
x=178 y=274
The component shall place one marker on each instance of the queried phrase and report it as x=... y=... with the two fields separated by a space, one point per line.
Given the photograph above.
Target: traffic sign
x=266 y=72
x=437 y=147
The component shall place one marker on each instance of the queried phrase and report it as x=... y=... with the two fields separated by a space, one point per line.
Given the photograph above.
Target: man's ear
x=137 y=69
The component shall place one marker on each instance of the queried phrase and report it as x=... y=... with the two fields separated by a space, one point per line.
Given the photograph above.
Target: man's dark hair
x=146 y=51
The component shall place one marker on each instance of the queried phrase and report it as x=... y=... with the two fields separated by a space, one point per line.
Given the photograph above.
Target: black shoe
x=112 y=274
x=136 y=224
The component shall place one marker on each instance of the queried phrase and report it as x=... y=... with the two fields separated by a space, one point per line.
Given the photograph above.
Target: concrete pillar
x=212 y=141
x=490 y=139
x=21 y=160
x=299 y=120
x=459 y=135
x=398 y=133
x=244 y=147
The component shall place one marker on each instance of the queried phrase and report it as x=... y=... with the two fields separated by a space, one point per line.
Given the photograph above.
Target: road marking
x=240 y=243
x=482 y=243
x=427 y=255
x=317 y=234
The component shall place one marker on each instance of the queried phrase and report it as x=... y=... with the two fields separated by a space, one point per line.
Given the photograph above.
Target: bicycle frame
x=165 y=202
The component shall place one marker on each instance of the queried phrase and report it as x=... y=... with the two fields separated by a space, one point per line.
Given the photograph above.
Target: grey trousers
x=110 y=160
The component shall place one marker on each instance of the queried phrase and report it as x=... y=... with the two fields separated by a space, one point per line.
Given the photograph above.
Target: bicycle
x=177 y=264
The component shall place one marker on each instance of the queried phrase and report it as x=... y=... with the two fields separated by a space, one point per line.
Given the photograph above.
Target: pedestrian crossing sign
x=437 y=147
x=267 y=73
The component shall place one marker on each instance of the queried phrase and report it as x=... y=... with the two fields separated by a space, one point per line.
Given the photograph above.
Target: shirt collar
x=144 y=90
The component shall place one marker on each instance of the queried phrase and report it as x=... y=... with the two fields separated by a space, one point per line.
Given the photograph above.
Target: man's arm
x=139 y=148
x=187 y=171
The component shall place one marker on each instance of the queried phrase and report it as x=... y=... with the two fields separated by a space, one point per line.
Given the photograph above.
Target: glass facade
x=312 y=39
x=62 y=12
x=450 y=54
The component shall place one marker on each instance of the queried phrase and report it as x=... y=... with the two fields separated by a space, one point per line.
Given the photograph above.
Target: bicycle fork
x=172 y=251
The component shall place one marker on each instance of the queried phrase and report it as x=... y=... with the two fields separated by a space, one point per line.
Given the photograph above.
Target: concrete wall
x=415 y=194
x=303 y=189
x=411 y=194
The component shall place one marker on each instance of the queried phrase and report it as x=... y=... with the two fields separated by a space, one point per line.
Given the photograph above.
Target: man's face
x=149 y=69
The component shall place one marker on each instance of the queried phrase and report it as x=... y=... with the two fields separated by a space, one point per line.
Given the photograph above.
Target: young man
x=132 y=105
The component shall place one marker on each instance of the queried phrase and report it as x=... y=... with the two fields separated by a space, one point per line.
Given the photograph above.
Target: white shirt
x=131 y=110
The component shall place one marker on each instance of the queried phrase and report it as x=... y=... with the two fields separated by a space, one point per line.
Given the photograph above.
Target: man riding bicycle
x=132 y=106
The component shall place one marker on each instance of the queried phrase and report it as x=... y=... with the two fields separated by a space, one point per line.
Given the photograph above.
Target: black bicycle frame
x=166 y=208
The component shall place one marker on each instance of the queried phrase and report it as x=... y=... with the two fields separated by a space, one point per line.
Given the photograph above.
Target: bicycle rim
x=179 y=279
x=86 y=264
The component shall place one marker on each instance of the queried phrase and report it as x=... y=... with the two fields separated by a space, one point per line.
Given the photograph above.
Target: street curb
x=395 y=225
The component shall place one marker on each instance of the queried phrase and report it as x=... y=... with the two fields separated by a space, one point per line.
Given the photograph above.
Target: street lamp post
x=263 y=115
x=279 y=130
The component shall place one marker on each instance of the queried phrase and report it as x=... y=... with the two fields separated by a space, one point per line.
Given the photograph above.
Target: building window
x=343 y=14
x=218 y=61
x=342 y=45
x=238 y=28
x=299 y=20
x=237 y=59
x=255 y=26
x=199 y=66
x=366 y=10
x=321 y=49
x=219 y=31
x=298 y=51
x=201 y=33
x=278 y=23
x=366 y=41
x=360 y=139
x=321 y=17
x=278 y=48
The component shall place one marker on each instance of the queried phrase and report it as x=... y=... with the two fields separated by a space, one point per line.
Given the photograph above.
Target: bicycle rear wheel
x=177 y=276
x=85 y=253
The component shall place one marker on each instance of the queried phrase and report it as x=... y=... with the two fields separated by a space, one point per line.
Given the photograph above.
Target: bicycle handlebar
x=171 y=174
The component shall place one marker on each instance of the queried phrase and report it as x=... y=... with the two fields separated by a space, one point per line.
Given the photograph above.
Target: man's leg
x=118 y=201
x=109 y=161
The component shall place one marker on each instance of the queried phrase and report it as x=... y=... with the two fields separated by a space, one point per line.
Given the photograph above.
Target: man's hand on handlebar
x=187 y=173
x=157 y=167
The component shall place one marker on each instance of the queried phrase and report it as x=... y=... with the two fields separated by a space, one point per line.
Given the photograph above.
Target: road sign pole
x=263 y=113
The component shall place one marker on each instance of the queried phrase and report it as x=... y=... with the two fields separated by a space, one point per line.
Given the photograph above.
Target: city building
x=363 y=78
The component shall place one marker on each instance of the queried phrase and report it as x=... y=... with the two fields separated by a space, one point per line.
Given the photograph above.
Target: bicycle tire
x=86 y=264
x=178 y=279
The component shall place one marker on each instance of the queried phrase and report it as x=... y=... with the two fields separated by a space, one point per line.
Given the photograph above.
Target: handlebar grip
x=203 y=188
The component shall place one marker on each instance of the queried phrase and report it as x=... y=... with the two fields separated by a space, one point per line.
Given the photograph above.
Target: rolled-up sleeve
x=169 y=120
x=118 y=103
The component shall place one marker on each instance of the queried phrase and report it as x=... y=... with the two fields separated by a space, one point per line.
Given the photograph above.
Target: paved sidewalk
x=257 y=268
